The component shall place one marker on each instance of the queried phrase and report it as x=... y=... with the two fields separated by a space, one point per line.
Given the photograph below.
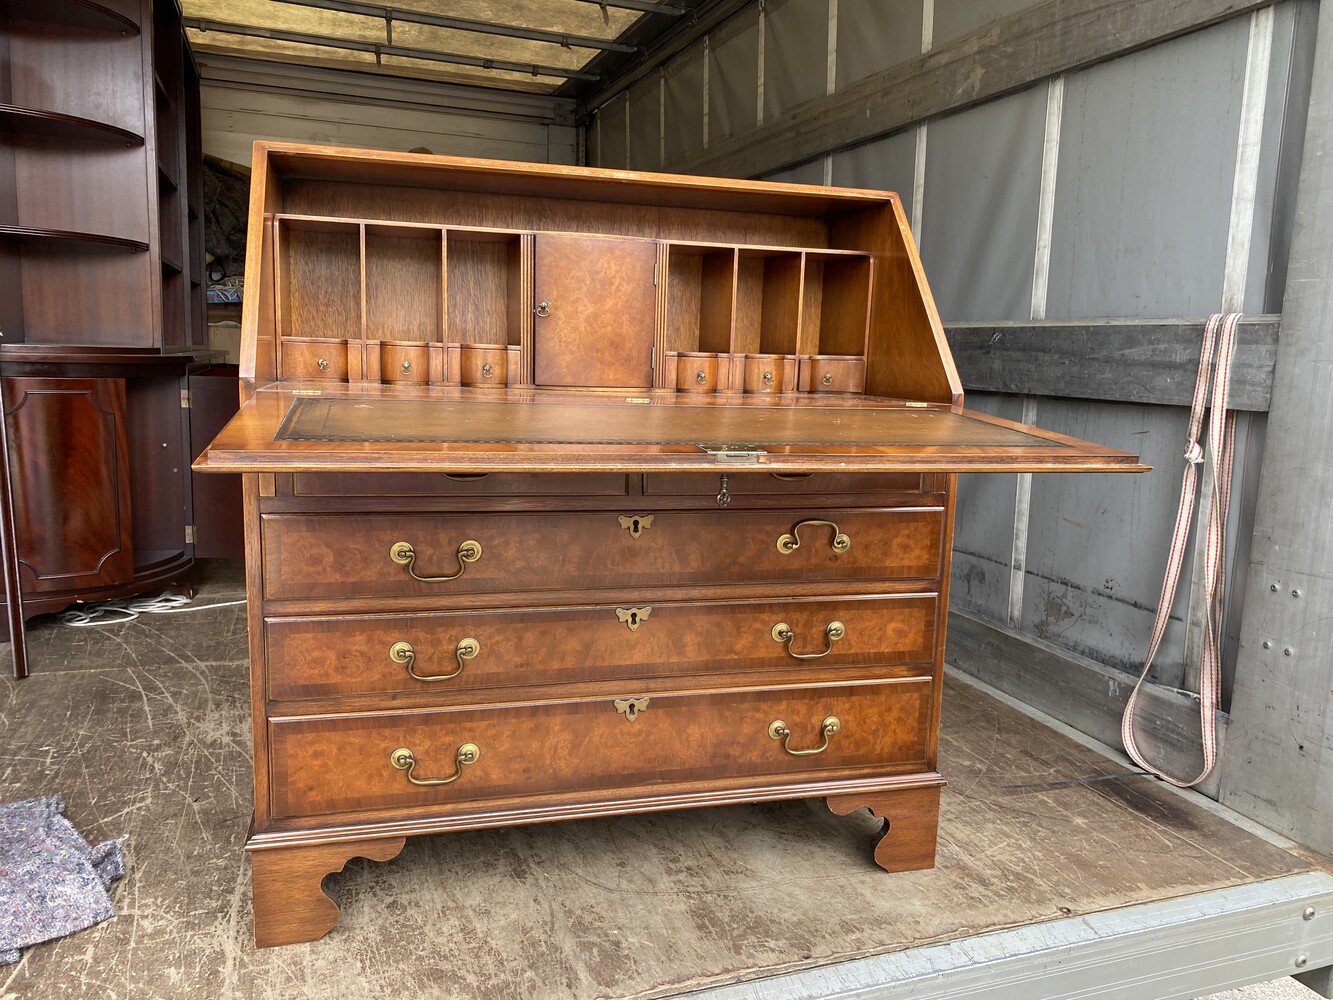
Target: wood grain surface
x=680 y=743
x=1036 y=828
x=347 y=556
x=329 y=656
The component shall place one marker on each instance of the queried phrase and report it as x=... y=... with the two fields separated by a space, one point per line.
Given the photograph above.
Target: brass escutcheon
x=403 y=759
x=777 y=729
x=783 y=633
x=630 y=707
x=789 y=543
x=404 y=555
x=635 y=524
x=402 y=652
x=632 y=618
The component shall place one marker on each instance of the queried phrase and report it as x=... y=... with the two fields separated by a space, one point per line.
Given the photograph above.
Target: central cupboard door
x=596 y=308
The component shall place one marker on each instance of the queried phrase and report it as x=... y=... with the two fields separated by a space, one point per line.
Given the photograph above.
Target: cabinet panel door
x=71 y=482
x=596 y=311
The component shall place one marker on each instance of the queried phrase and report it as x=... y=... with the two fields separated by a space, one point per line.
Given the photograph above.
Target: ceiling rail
x=391 y=14
x=384 y=49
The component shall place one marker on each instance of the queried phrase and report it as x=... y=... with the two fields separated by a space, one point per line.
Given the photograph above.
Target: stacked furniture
x=572 y=493
x=101 y=293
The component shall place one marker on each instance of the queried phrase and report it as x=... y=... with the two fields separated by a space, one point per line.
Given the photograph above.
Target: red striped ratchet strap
x=1219 y=338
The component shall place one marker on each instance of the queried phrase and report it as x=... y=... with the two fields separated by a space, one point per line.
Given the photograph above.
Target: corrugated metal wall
x=1131 y=188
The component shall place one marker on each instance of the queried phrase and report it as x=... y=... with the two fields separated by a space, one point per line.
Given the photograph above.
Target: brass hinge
x=189 y=534
x=185 y=399
x=655 y=266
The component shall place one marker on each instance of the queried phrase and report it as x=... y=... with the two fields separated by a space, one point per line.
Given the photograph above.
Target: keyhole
x=632 y=712
x=634 y=618
x=634 y=527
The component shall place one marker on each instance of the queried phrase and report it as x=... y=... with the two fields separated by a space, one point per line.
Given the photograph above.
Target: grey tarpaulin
x=52 y=881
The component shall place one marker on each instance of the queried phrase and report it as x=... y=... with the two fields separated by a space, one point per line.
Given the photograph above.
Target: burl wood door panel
x=70 y=466
x=596 y=311
x=446 y=654
x=344 y=764
x=330 y=556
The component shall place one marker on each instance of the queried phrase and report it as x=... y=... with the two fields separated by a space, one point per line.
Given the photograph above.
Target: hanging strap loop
x=1219 y=338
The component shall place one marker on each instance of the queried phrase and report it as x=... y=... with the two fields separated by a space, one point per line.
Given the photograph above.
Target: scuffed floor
x=143 y=728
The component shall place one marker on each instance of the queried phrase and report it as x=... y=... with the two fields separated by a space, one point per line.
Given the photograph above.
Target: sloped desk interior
x=611 y=493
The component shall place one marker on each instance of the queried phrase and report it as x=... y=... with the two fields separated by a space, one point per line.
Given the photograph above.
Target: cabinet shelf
x=65 y=241
x=75 y=13
x=171 y=265
x=35 y=121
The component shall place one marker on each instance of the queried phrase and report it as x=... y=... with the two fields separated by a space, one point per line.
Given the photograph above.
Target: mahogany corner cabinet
x=575 y=492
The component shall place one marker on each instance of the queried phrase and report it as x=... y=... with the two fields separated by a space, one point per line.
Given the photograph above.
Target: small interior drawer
x=660 y=742
x=316 y=359
x=831 y=373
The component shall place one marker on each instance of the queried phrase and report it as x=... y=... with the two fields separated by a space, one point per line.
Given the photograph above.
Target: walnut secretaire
x=577 y=492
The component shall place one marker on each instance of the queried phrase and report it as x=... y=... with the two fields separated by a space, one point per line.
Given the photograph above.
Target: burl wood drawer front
x=442 y=654
x=440 y=484
x=347 y=764
x=312 y=556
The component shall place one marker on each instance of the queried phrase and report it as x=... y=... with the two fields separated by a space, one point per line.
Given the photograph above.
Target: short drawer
x=315 y=359
x=666 y=743
x=451 y=484
x=322 y=657
x=323 y=556
x=778 y=483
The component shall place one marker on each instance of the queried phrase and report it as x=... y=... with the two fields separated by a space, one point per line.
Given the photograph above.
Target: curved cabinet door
x=71 y=482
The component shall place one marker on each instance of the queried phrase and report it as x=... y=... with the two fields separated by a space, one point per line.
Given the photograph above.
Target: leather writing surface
x=522 y=422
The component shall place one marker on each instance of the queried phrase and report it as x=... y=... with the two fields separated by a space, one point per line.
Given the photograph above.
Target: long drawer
x=432 y=484
x=368 y=763
x=327 y=656
x=321 y=556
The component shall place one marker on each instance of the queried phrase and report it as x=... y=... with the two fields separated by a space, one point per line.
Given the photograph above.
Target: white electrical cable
x=116 y=612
